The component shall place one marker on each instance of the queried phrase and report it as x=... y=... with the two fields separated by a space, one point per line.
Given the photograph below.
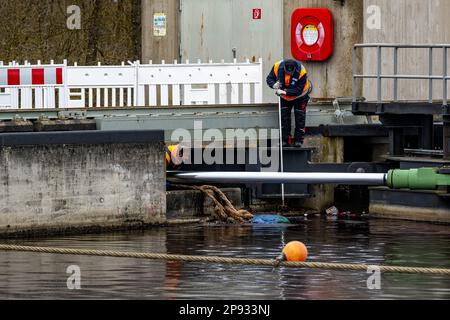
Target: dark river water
x=43 y=276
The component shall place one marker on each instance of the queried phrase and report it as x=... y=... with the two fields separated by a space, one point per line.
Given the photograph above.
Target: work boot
x=298 y=144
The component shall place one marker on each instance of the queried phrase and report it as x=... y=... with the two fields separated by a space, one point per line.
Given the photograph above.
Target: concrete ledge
x=409 y=213
x=65 y=125
x=80 y=228
x=16 y=126
x=80 y=137
x=418 y=205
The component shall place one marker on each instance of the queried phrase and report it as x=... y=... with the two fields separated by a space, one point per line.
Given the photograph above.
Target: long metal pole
x=281 y=149
x=379 y=74
x=373 y=179
x=444 y=76
x=353 y=75
x=430 y=73
x=395 y=74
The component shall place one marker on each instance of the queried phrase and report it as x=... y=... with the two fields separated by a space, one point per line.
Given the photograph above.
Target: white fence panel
x=199 y=82
x=31 y=86
x=5 y=100
x=99 y=86
x=143 y=85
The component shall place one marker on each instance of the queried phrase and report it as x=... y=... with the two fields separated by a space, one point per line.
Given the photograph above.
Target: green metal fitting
x=422 y=178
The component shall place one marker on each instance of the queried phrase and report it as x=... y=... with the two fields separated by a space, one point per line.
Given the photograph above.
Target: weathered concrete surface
x=331 y=78
x=185 y=204
x=45 y=124
x=403 y=204
x=17 y=125
x=58 y=187
x=326 y=150
x=65 y=124
x=409 y=213
x=159 y=48
x=408 y=22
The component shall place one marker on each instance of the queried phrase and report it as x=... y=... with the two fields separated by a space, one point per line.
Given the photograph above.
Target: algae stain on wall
x=326 y=150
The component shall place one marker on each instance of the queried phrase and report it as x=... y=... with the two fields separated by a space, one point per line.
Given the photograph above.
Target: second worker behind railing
x=290 y=80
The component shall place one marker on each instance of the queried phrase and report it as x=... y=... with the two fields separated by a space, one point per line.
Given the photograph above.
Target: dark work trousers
x=299 y=106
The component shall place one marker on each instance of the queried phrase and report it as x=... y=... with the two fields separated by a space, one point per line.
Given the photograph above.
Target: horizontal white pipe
x=373 y=179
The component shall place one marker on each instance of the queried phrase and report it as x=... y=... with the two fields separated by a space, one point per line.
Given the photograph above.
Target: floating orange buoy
x=295 y=251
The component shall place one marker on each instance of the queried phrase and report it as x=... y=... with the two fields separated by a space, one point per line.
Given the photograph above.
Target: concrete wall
x=188 y=204
x=159 y=48
x=331 y=78
x=433 y=205
x=59 y=187
x=326 y=150
x=409 y=22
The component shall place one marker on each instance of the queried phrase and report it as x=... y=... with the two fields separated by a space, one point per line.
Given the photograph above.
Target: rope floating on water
x=222 y=260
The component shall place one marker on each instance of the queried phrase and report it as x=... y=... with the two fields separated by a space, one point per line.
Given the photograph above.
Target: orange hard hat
x=174 y=155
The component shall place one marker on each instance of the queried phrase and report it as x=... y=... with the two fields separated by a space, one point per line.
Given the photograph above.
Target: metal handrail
x=401 y=45
x=379 y=76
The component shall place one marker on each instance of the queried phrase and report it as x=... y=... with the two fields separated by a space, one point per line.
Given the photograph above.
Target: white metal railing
x=379 y=76
x=134 y=85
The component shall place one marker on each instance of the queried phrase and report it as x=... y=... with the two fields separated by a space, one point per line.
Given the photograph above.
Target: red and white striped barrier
x=62 y=86
x=31 y=76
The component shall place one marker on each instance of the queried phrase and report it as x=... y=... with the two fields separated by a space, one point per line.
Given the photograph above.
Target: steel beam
x=253 y=115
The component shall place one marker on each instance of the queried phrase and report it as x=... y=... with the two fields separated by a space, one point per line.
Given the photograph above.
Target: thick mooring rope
x=223 y=208
x=222 y=260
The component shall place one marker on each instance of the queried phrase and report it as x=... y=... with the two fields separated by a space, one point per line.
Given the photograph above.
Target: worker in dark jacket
x=290 y=80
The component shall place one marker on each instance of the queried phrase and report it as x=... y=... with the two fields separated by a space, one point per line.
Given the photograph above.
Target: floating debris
x=332 y=211
x=270 y=219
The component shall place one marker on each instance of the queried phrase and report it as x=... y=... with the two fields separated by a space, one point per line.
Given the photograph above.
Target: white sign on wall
x=159 y=25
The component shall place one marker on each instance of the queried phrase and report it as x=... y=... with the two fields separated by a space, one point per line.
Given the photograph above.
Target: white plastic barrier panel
x=101 y=86
x=133 y=85
x=31 y=86
x=5 y=100
x=191 y=84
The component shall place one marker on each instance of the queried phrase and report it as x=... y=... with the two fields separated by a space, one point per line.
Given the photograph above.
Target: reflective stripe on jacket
x=296 y=85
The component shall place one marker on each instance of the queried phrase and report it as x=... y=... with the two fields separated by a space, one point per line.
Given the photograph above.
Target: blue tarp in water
x=269 y=219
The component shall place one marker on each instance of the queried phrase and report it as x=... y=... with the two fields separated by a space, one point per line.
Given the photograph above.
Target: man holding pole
x=290 y=80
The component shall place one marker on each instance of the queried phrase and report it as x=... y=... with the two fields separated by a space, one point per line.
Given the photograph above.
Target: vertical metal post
x=281 y=150
x=353 y=75
x=395 y=74
x=379 y=74
x=444 y=76
x=65 y=87
x=136 y=82
x=446 y=138
x=430 y=73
